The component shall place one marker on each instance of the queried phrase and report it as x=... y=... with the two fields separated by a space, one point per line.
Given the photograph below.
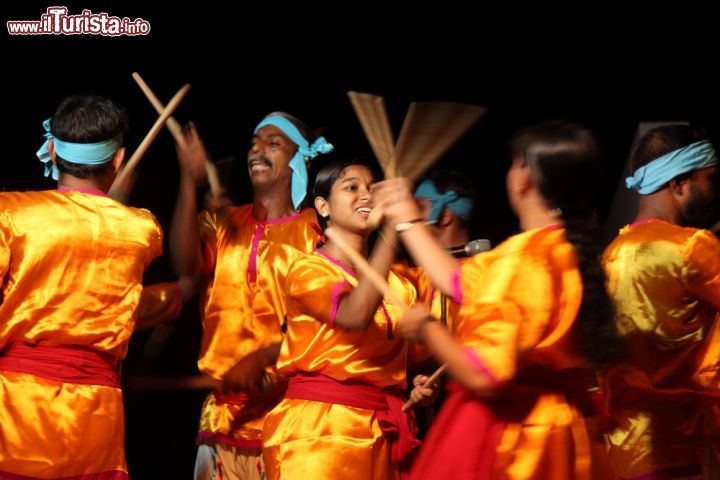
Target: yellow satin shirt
x=244 y=307
x=71 y=265
x=663 y=397
x=309 y=439
x=518 y=311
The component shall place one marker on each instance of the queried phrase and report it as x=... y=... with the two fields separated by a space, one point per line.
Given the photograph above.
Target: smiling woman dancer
x=341 y=415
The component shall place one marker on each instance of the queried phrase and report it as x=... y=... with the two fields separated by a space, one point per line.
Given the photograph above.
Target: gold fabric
x=71 y=266
x=517 y=317
x=244 y=307
x=662 y=397
x=308 y=439
x=418 y=354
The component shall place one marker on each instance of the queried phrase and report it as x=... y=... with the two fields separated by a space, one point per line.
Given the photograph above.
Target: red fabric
x=63 y=364
x=462 y=442
x=209 y=438
x=397 y=426
x=114 y=475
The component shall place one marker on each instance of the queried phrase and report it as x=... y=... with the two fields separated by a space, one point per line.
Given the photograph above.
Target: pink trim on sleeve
x=336 y=294
x=456 y=286
x=479 y=365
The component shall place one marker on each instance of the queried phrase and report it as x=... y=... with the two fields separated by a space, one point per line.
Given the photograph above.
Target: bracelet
x=405 y=226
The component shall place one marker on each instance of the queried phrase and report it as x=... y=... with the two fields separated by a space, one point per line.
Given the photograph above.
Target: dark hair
x=564 y=160
x=661 y=140
x=446 y=180
x=87 y=118
x=328 y=175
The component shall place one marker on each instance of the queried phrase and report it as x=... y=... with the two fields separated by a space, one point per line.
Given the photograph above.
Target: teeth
x=363 y=210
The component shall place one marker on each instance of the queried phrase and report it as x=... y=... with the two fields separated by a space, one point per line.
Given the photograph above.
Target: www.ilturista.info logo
x=56 y=21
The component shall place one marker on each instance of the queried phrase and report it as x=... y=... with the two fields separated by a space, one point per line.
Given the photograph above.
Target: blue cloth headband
x=84 y=153
x=305 y=151
x=460 y=206
x=652 y=177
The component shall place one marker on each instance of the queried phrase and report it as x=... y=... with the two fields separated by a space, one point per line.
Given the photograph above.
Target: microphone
x=471 y=248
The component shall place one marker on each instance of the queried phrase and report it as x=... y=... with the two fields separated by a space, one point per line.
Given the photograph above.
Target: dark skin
x=270 y=174
x=248 y=373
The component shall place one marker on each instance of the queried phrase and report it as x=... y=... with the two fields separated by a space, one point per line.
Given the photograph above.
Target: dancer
x=534 y=319
x=242 y=254
x=71 y=265
x=341 y=417
x=663 y=273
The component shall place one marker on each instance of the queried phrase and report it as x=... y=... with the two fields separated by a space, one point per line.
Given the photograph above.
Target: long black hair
x=564 y=160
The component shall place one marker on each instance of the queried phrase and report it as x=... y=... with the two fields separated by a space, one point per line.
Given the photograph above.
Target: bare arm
x=417 y=324
x=425 y=249
x=357 y=308
x=185 y=245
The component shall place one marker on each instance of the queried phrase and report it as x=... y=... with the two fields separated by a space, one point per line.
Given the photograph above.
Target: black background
x=244 y=62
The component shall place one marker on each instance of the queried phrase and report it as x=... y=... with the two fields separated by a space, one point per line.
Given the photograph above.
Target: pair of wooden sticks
x=165 y=118
x=429 y=130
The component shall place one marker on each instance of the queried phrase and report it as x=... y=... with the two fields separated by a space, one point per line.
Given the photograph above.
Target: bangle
x=405 y=226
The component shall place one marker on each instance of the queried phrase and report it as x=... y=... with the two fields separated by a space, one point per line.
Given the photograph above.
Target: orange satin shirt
x=244 y=307
x=663 y=397
x=311 y=439
x=71 y=265
x=375 y=355
x=516 y=321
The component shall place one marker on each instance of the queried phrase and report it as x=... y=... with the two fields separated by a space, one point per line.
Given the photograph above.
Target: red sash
x=75 y=364
x=397 y=426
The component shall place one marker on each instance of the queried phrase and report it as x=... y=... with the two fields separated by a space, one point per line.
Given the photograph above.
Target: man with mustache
x=664 y=275
x=243 y=254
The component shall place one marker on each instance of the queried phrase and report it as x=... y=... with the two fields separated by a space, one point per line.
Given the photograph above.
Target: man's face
x=269 y=158
x=700 y=209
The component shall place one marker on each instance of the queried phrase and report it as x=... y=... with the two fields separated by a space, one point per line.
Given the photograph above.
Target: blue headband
x=305 y=151
x=84 y=153
x=460 y=206
x=651 y=177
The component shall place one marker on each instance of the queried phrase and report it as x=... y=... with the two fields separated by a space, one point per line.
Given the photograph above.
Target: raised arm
x=357 y=308
x=185 y=245
x=402 y=211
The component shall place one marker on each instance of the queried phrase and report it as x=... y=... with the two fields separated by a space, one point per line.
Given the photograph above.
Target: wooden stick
x=428 y=384
x=429 y=130
x=362 y=264
x=370 y=110
x=145 y=144
x=386 y=135
x=177 y=133
x=172 y=124
x=382 y=285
